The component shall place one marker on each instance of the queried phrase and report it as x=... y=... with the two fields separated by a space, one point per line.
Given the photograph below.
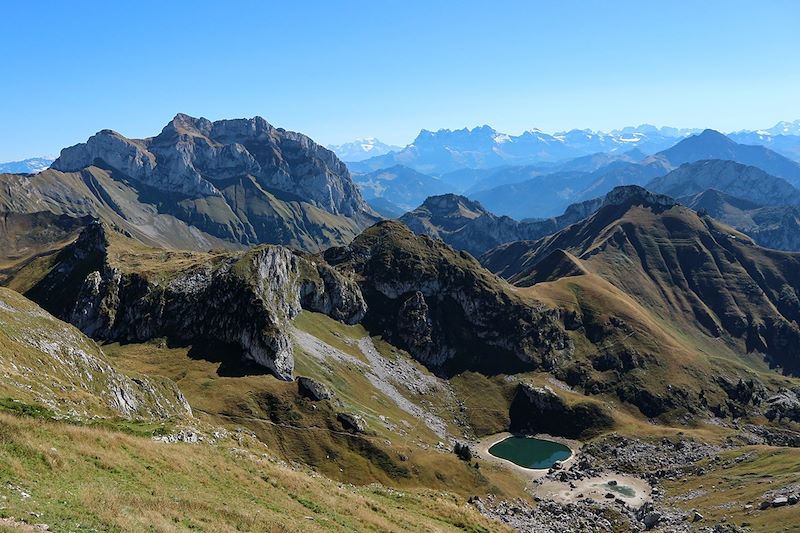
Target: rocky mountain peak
x=713 y=135
x=191 y=156
x=631 y=195
x=453 y=203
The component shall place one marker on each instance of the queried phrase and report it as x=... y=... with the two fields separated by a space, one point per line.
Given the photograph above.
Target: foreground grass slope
x=86 y=479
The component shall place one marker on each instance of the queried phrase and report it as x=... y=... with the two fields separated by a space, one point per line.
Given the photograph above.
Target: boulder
x=780 y=501
x=313 y=389
x=354 y=423
x=651 y=519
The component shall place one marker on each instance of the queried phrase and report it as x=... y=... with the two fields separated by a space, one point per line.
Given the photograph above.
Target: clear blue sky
x=337 y=70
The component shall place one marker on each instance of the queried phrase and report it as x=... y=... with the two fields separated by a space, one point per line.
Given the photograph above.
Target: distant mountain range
x=362 y=149
x=401 y=186
x=548 y=194
x=26 y=166
x=764 y=207
x=443 y=151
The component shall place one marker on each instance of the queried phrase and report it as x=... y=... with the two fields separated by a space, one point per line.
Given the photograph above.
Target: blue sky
x=337 y=70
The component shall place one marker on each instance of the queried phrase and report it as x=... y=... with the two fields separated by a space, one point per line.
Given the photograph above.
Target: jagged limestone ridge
x=243 y=299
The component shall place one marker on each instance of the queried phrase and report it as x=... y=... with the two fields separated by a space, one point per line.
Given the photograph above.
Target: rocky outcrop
x=466 y=225
x=439 y=304
x=313 y=389
x=350 y=422
x=242 y=299
x=541 y=410
x=784 y=405
x=242 y=181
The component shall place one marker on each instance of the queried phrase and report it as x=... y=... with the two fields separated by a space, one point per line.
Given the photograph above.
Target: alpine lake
x=529 y=452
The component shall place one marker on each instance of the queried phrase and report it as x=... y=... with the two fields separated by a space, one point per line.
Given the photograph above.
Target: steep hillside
x=199 y=183
x=70 y=478
x=26 y=236
x=686 y=269
x=52 y=364
x=737 y=180
x=776 y=226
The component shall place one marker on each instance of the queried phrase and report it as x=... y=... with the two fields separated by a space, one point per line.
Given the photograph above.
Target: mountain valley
x=220 y=306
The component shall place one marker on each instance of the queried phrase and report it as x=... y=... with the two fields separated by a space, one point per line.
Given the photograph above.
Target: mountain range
x=211 y=329
x=362 y=149
x=700 y=272
x=26 y=166
x=437 y=153
x=445 y=151
x=548 y=194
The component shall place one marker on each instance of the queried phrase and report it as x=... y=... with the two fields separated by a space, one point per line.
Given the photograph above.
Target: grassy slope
x=103 y=194
x=48 y=362
x=304 y=431
x=86 y=479
x=685 y=357
x=727 y=487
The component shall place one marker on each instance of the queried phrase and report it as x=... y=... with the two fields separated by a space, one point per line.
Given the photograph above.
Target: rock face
x=784 y=405
x=201 y=184
x=444 y=308
x=245 y=300
x=440 y=304
x=354 y=423
x=540 y=410
x=191 y=155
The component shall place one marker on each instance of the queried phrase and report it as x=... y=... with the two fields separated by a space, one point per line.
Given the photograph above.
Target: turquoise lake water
x=529 y=452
